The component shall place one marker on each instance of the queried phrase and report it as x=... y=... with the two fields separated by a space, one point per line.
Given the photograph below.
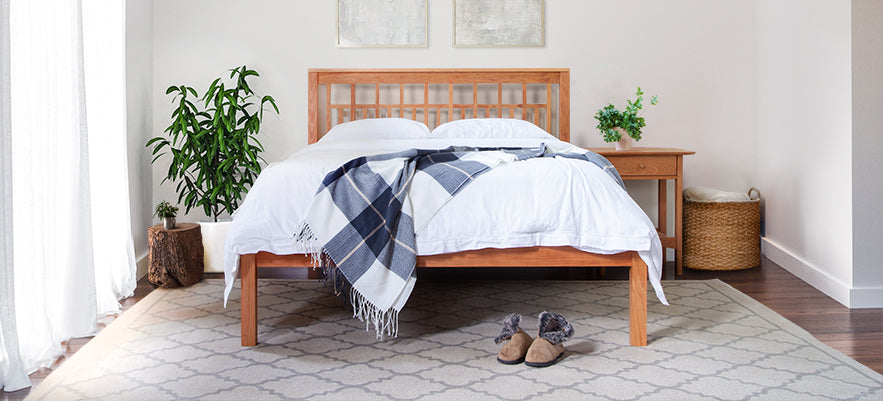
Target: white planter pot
x=214 y=235
x=625 y=141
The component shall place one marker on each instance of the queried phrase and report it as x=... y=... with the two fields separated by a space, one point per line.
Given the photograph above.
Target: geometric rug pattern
x=712 y=343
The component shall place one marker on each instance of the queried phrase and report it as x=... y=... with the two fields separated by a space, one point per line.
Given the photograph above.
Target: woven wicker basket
x=722 y=235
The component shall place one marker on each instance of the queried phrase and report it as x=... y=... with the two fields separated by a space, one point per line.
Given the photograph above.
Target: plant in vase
x=214 y=149
x=621 y=127
x=167 y=213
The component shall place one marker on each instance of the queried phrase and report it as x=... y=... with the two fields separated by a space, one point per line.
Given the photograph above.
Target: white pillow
x=377 y=128
x=499 y=128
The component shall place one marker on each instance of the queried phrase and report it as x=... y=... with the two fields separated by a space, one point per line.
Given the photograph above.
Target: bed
x=338 y=97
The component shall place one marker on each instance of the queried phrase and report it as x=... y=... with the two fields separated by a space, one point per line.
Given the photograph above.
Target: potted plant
x=623 y=126
x=214 y=149
x=167 y=213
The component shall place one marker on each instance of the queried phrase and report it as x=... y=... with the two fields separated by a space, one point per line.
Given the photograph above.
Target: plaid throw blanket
x=360 y=227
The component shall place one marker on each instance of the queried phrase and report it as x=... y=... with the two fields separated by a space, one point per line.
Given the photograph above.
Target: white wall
x=867 y=152
x=139 y=115
x=697 y=55
x=804 y=143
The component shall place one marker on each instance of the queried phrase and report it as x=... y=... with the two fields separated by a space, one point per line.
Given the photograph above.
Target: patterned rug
x=713 y=343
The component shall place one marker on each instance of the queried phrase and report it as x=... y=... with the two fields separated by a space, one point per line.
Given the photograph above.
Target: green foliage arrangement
x=215 y=151
x=164 y=209
x=609 y=118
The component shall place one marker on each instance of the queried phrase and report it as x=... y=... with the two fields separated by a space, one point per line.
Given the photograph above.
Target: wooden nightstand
x=656 y=164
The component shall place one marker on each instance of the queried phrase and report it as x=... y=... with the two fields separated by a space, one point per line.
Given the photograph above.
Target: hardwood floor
x=858 y=333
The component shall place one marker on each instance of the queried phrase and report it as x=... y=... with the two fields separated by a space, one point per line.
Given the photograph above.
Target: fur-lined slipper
x=547 y=349
x=518 y=341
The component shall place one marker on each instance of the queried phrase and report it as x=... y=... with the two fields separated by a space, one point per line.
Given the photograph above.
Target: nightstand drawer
x=645 y=165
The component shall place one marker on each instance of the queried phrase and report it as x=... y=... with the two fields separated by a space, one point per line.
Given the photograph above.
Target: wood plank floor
x=858 y=333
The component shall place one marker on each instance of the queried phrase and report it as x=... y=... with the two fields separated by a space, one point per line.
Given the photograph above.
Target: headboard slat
x=426 y=103
x=327 y=106
x=377 y=100
x=500 y=100
x=523 y=101
x=548 y=107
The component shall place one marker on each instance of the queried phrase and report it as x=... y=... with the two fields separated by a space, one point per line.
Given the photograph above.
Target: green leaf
x=269 y=99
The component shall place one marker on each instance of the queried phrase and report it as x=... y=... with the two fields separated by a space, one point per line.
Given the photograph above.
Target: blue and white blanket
x=360 y=227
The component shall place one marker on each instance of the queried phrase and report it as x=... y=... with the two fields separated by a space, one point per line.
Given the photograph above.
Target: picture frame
x=382 y=23
x=499 y=23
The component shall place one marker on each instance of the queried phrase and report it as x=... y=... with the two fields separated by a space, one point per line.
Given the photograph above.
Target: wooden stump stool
x=176 y=255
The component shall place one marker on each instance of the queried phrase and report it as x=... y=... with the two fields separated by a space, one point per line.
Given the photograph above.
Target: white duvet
x=536 y=202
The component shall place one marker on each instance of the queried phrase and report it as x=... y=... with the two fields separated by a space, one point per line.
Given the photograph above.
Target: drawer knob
x=643 y=166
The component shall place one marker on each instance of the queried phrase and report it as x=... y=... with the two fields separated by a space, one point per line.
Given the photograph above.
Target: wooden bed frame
x=385 y=81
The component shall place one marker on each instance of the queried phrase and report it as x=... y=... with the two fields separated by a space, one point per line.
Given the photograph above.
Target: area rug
x=712 y=343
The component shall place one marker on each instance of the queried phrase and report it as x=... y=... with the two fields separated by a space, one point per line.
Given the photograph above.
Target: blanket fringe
x=310 y=242
x=384 y=322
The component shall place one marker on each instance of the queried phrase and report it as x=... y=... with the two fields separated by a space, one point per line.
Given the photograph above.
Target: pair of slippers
x=543 y=351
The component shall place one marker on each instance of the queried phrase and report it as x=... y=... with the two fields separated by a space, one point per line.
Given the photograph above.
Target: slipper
x=547 y=349
x=518 y=343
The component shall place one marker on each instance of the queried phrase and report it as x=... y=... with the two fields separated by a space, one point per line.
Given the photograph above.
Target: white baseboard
x=864 y=297
x=806 y=272
x=141 y=266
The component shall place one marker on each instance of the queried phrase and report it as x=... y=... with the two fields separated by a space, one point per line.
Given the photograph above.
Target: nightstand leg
x=679 y=217
x=662 y=213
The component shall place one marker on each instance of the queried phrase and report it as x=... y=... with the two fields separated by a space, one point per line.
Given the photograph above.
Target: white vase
x=214 y=235
x=625 y=141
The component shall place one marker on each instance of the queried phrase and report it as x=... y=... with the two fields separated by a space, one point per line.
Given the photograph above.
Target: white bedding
x=537 y=202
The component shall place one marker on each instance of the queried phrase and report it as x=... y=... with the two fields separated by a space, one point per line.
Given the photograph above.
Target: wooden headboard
x=455 y=94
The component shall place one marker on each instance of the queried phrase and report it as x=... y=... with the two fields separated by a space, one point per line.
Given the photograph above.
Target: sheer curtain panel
x=73 y=254
x=54 y=275
x=105 y=80
x=13 y=375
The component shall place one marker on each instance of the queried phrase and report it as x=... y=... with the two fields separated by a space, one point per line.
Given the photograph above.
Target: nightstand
x=176 y=255
x=659 y=164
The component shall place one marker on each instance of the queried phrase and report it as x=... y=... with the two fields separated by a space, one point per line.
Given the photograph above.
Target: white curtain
x=73 y=256
x=12 y=372
x=105 y=77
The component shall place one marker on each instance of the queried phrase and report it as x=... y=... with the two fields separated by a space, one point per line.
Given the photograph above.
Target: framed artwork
x=498 y=23
x=382 y=23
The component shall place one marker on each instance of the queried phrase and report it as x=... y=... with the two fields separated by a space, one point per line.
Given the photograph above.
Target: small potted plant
x=167 y=213
x=621 y=127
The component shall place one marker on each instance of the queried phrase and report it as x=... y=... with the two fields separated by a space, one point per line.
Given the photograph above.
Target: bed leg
x=637 y=302
x=249 y=299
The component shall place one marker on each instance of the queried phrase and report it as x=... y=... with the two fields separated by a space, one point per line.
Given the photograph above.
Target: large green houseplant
x=614 y=123
x=213 y=144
